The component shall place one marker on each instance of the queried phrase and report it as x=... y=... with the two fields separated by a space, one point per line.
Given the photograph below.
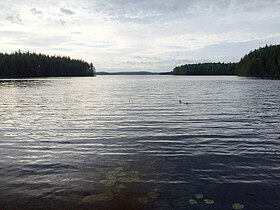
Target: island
x=27 y=65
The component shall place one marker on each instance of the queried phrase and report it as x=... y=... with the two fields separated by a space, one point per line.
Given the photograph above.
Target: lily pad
x=131 y=177
x=209 y=202
x=112 y=174
x=134 y=173
x=238 y=206
x=120 y=187
x=199 y=196
x=119 y=169
x=109 y=182
x=107 y=196
x=192 y=202
x=153 y=195
x=143 y=200
x=122 y=163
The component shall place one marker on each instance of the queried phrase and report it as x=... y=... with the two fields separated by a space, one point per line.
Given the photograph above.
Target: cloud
x=15 y=18
x=62 y=22
x=143 y=35
x=36 y=12
x=67 y=11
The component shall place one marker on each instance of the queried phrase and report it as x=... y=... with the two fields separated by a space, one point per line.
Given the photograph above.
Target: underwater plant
x=199 y=196
x=107 y=196
x=192 y=202
x=117 y=180
x=209 y=201
x=238 y=206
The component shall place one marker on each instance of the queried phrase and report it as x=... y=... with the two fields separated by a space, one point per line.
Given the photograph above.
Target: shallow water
x=60 y=137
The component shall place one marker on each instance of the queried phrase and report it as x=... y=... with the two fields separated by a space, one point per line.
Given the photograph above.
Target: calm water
x=60 y=137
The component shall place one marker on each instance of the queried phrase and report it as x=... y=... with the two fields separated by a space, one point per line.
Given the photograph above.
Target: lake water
x=60 y=137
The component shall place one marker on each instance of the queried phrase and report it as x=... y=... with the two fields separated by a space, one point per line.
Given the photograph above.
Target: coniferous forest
x=263 y=62
x=206 y=69
x=25 y=64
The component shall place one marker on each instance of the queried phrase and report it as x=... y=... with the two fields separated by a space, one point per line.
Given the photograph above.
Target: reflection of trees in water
x=23 y=82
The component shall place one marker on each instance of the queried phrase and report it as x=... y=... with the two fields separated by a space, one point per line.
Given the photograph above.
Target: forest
x=263 y=62
x=206 y=69
x=25 y=64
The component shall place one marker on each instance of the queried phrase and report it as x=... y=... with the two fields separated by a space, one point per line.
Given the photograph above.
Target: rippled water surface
x=60 y=137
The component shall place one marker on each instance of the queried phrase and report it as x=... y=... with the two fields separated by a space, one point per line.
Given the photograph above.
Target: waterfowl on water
x=180 y=102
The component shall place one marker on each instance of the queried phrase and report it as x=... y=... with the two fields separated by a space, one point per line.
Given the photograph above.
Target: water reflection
x=22 y=83
x=61 y=142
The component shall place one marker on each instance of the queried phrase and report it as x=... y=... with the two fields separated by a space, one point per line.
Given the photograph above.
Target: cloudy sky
x=154 y=35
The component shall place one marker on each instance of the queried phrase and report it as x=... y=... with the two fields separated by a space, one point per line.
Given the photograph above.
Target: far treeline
x=206 y=69
x=25 y=64
x=263 y=62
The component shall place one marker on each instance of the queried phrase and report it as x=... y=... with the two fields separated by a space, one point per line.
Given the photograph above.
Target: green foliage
x=153 y=195
x=107 y=196
x=192 y=202
x=199 y=196
x=209 y=202
x=237 y=206
x=263 y=62
x=206 y=69
x=24 y=65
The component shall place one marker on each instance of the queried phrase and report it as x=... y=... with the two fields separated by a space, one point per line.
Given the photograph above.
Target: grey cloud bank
x=151 y=35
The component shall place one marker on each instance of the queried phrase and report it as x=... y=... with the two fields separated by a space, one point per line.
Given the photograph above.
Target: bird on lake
x=180 y=102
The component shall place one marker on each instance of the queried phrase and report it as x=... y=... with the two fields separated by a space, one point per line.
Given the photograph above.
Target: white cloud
x=36 y=12
x=67 y=11
x=14 y=18
x=140 y=35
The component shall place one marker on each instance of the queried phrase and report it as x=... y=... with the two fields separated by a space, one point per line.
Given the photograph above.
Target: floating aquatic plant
x=119 y=168
x=199 y=196
x=153 y=195
x=209 y=201
x=192 y=202
x=118 y=179
x=107 y=196
x=120 y=187
x=132 y=176
x=237 y=206
x=143 y=200
x=122 y=163
x=109 y=182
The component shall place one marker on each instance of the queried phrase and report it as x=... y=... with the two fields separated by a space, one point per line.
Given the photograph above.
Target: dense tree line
x=206 y=69
x=23 y=65
x=263 y=62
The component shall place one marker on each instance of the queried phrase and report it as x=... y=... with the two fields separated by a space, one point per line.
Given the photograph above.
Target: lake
x=126 y=143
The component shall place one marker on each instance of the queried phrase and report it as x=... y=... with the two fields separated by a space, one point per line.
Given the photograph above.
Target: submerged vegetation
x=198 y=200
x=117 y=183
x=117 y=193
x=263 y=62
x=25 y=64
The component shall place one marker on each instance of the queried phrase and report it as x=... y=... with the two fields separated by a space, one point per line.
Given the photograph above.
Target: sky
x=136 y=35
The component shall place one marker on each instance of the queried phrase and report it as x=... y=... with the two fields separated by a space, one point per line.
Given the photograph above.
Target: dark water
x=60 y=137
